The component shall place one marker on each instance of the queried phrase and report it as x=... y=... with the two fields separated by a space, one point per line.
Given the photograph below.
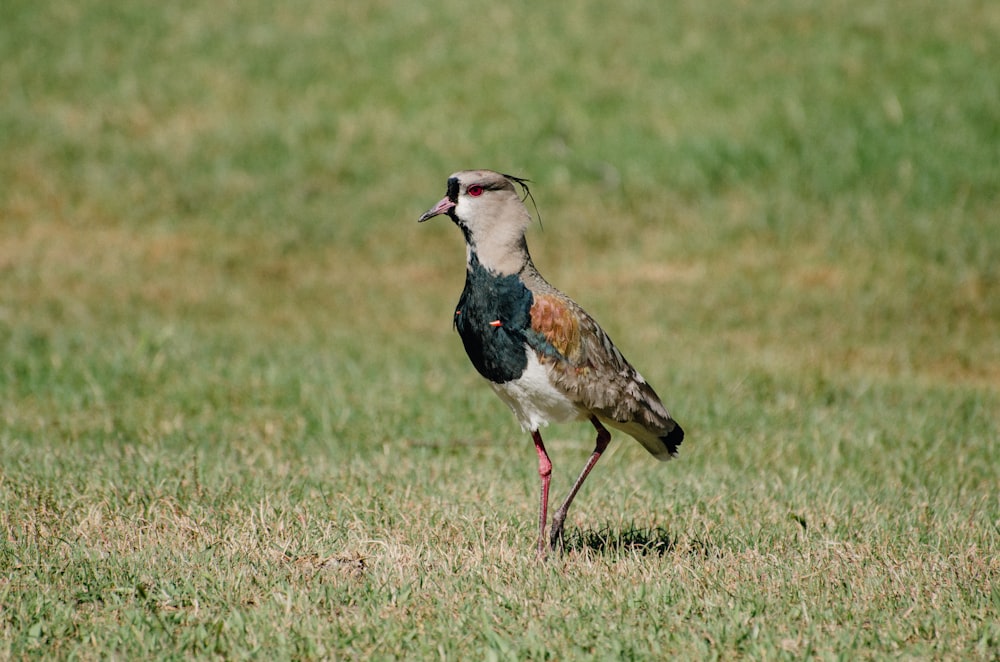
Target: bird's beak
x=438 y=209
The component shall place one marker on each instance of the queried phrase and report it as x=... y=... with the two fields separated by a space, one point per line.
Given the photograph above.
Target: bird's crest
x=523 y=183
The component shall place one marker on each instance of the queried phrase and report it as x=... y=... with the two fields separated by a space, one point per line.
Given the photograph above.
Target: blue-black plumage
x=492 y=317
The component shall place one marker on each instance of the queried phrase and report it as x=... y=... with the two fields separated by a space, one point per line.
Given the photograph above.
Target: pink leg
x=545 y=473
x=603 y=438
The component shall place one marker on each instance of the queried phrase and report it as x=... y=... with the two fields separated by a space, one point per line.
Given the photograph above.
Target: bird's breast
x=492 y=318
x=535 y=400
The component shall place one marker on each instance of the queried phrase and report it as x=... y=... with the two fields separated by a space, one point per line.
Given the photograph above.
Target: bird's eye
x=475 y=191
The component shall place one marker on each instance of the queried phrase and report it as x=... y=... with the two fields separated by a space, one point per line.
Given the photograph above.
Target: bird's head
x=486 y=206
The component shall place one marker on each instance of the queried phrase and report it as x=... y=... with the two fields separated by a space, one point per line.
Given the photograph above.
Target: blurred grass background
x=235 y=418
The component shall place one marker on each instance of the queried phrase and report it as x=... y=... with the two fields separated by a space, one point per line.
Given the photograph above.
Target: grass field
x=235 y=421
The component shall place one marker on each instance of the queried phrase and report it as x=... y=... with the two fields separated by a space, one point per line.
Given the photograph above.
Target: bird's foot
x=556 y=534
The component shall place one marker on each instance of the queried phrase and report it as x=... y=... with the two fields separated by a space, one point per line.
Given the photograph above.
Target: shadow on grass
x=628 y=539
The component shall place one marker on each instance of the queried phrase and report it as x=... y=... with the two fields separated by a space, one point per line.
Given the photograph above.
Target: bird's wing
x=588 y=367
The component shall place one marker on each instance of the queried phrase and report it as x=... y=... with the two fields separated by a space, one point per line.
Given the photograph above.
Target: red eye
x=475 y=191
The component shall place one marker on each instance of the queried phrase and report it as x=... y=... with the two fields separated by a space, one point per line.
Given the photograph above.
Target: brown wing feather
x=592 y=371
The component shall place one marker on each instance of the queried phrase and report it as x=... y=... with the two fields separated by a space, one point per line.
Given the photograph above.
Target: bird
x=542 y=353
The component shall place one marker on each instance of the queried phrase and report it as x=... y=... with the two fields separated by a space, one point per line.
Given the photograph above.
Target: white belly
x=534 y=400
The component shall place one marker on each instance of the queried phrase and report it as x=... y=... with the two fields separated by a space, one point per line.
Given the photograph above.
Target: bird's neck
x=499 y=257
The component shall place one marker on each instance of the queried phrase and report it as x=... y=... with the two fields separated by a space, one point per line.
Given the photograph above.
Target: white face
x=486 y=206
x=469 y=194
x=474 y=202
x=487 y=202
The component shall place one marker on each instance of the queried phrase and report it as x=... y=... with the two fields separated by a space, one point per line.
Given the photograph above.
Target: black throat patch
x=493 y=318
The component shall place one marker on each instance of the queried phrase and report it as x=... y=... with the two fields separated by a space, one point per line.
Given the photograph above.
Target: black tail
x=672 y=440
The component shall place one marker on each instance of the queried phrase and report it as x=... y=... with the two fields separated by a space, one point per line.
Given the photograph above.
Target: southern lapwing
x=541 y=352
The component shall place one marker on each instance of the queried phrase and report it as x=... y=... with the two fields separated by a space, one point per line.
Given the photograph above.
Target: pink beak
x=438 y=209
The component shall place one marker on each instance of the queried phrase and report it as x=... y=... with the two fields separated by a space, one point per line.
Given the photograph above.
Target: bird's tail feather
x=661 y=446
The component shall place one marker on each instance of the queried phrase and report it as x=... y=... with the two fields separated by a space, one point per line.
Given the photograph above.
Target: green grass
x=235 y=421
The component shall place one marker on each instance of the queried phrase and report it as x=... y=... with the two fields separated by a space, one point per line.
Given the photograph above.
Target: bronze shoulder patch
x=551 y=317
